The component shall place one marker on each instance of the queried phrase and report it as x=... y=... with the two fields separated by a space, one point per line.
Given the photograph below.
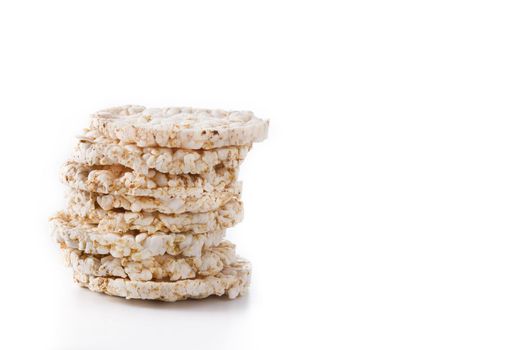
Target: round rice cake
x=94 y=149
x=160 y=267
x=134 y=246
x=208 y=201
x=118 y=221
x=179 y=127
x=232 y=281
x=117 y=179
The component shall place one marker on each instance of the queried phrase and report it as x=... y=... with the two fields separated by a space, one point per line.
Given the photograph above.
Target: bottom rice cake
x=162 y=267
x=232 y=281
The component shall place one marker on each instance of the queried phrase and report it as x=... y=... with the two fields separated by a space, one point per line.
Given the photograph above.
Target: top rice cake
x=179 y=127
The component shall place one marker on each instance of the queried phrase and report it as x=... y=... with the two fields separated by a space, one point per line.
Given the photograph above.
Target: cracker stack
x=151 y=193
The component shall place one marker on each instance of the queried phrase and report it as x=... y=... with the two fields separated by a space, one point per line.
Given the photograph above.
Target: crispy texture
x=87 y=201
x=118 y=221
x=160 y=268
x=134 y=246
x=117 y=179
x=232 y=281
x=188 y=128
x=151 y=192
x=94 y=149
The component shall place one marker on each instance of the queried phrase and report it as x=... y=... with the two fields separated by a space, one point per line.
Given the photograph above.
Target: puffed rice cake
x=117 y=179
x=136 y=246
x=232 y=281
x=94 y=149
x=151 y=192
x=205 y=202
x=160 y=267
x=117 y=221
x=189 y=128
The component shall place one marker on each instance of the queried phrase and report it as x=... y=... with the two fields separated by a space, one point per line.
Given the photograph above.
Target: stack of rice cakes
x=151 y=193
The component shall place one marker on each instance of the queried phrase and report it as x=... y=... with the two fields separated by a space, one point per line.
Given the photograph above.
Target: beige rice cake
x=232 y=281
x=179 y=127
x=87 y=201
x=94 y=149
x=119 y=221
x=134 y=246
x=117 y=179
x=160 y=267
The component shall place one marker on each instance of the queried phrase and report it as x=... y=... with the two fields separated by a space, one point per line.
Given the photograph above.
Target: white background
x=385 y=211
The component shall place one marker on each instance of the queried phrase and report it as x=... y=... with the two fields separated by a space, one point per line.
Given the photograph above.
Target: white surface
x=386 y=210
